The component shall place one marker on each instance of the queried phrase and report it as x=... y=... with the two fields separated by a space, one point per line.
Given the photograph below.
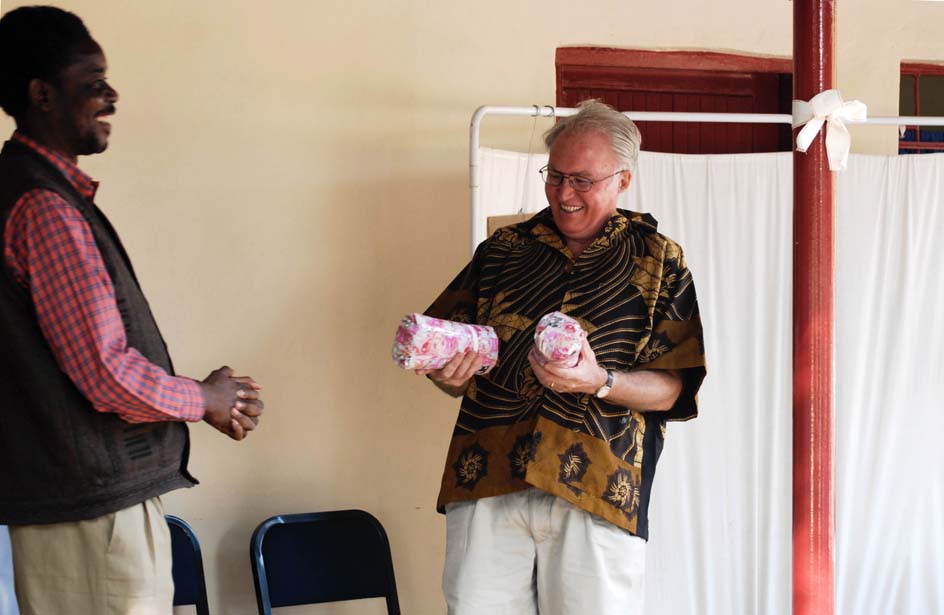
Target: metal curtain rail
x=641 y=116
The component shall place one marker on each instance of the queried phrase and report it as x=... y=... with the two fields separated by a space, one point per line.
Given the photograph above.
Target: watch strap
x=604 y=390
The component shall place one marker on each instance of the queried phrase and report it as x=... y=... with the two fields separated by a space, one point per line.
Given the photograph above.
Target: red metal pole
x=813 y=206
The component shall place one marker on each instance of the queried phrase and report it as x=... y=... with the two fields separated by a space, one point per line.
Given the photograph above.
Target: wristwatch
x=604 y=390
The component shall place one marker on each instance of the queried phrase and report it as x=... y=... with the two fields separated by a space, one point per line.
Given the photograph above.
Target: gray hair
x=595 y=116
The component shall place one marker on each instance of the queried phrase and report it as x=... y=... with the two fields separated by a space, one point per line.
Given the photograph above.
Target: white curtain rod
x=642 y=116
x=681 y=116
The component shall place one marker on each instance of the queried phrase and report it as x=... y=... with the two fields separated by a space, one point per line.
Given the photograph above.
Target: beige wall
x=290 y=179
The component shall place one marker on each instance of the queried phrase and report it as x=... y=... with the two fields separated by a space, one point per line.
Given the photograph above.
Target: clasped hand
x=232 y=402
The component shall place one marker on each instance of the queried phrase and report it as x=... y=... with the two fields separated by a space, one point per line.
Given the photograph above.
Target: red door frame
x=675 y=60
x=731 y=80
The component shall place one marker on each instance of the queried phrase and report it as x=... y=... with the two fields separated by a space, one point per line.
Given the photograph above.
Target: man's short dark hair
x=37 y=42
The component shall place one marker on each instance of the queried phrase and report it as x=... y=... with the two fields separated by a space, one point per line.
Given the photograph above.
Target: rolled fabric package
x=424 y=342
x=558 y=339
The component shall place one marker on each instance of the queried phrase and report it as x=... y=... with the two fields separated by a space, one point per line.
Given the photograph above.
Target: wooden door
x=683 y=81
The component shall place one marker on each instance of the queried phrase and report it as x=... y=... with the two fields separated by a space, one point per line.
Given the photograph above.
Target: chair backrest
x=189 y=581
x=322 y=557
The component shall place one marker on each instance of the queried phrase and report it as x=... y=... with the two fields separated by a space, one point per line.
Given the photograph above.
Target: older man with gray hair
x=549 y=471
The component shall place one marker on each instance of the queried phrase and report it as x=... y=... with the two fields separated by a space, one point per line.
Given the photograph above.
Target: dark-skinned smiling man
x=93 y=419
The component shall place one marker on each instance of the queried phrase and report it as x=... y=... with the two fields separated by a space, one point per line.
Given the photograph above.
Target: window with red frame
x=921 y=93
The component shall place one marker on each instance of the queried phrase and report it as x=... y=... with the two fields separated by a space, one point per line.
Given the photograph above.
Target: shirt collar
x=545 y=231
x=76 y=176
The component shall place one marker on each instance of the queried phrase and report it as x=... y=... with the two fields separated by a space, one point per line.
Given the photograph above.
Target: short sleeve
x=677 y=340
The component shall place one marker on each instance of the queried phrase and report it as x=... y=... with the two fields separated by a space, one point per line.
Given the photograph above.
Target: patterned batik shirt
x=634 y=296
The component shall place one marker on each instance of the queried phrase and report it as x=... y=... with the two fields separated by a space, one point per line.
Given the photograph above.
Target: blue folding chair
x=322 y=557
x=189 y=581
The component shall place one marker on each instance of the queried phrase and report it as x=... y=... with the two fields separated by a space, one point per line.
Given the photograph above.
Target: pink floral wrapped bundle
x=558 y=339
x=424 y=342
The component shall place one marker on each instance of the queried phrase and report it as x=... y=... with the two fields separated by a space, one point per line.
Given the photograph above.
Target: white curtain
x=890 y=386
x=720 y=519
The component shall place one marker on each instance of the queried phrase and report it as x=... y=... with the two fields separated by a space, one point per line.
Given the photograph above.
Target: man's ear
x=624 y=180
x=40 y=94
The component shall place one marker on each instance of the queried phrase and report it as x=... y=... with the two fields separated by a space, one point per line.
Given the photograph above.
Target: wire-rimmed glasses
x=577 y=182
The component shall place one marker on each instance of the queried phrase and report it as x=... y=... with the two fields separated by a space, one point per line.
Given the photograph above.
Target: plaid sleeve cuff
x=192 y=403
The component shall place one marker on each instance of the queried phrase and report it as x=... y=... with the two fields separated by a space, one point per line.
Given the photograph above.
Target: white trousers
x=530 y=553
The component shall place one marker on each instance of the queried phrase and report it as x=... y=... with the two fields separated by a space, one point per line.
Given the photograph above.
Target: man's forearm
x=54 y=249
x=645 y=389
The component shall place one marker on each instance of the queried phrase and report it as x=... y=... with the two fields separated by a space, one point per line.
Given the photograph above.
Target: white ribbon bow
x=827 y=107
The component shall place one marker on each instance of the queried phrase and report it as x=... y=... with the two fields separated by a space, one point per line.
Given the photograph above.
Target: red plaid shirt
x=51 y=252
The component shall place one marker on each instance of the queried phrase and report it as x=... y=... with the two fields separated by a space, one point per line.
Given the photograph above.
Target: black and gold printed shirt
x=634 y=296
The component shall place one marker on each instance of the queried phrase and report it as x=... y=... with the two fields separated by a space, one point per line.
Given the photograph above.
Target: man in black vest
x=92 y=423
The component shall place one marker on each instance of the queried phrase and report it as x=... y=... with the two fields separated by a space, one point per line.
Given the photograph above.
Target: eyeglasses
x=578 y=183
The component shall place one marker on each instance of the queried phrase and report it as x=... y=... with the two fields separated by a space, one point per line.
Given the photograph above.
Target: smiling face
x=75 y=104
x=581 y=216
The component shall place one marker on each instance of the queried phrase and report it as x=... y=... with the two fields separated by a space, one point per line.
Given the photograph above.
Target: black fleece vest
x=60 y=459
